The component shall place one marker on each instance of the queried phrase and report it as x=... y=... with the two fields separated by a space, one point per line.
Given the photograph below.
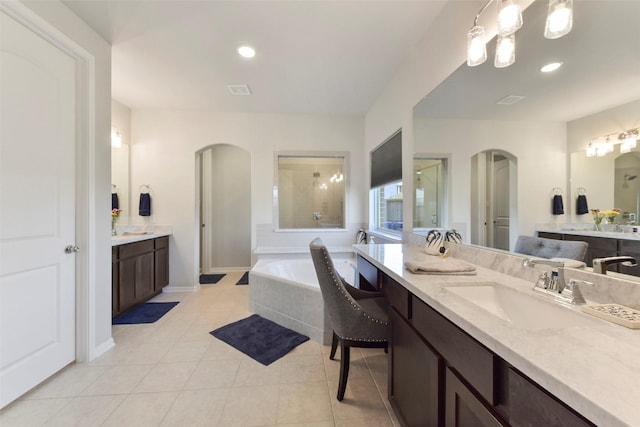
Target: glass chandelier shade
x=505 y=51
x=559 y=18
x=476 y=47
x=509 y=17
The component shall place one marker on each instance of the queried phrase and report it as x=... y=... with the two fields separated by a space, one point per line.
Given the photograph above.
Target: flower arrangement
x=115 y=213
x=599 y=215
x=611 y=214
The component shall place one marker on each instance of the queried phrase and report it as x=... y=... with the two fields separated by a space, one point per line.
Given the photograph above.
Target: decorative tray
x=615 y=313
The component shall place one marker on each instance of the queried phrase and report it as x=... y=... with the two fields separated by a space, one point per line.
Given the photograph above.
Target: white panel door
x=37 y=209
x=501 y=204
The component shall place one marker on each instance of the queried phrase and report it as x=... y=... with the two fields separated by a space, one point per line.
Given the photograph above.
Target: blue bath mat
x=261 y=339
x=244 y=280
x=145 y=313
x=208 y=279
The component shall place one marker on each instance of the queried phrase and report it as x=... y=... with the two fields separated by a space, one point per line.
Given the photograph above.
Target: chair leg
x=334 y=346
x=344 y=368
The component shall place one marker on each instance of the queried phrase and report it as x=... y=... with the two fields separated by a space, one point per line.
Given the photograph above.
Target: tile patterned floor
x=173 y=373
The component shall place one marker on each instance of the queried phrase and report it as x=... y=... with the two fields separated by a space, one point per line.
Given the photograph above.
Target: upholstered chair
x=358 y=318
x=551 y=248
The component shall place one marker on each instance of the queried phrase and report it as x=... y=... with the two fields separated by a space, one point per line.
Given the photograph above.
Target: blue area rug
x=208 y=279
x=261 y=339
x=244 y=280
x=145 y=313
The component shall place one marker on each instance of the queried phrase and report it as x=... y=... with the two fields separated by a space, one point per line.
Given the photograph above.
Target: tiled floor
x=173 y=373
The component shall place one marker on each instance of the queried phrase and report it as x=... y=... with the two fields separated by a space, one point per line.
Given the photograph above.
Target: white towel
x=439 y=265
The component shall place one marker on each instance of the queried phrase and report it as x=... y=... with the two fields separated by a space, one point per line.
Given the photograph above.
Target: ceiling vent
x=510 y=100
x=239 y=90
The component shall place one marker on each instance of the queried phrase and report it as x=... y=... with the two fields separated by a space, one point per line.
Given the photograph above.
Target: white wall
x=95 y=278
x=441 y=51
x=163 y=155
x=525 y=140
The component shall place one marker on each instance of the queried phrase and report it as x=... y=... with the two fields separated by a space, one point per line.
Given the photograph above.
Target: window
x=386 y=185
x=310 y=191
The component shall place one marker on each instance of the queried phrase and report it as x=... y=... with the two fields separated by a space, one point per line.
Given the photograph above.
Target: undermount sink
x=521 y=310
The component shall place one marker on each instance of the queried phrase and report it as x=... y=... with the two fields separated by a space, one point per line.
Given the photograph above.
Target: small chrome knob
x=70 y=249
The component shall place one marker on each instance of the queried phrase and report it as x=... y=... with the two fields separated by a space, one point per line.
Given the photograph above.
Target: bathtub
x=286 y=291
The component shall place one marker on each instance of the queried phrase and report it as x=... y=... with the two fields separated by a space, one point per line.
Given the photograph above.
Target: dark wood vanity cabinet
x=139 y=271
x=440 y=376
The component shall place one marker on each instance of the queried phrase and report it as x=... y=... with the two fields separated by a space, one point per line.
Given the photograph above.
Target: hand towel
x=558 y=206
x=581 y=205
x=145 y=204
x=439 y=265
x=115 y=203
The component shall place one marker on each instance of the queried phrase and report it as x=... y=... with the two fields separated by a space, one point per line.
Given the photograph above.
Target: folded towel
x=581 y=205
x=438 y=265
x=558 y=206
x=570 y=263
x=145 y=204
x=115 y=203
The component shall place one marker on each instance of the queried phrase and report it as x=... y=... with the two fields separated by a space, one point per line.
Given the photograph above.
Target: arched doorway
x=493 y=199
x=224 y=214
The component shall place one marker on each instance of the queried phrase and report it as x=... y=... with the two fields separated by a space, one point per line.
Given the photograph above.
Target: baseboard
x=175 y=289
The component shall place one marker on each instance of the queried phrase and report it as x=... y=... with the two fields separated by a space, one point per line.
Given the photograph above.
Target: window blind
x=386 y=161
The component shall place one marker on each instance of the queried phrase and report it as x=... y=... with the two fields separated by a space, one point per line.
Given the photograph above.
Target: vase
x=113 y=226
x=597 y=226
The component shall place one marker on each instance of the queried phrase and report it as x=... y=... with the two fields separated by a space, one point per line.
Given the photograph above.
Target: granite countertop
x=132 y=234
x=592 y=367
x=587 y=231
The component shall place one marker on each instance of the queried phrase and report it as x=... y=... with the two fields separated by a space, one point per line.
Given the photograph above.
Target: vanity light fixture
x=116 y=138
x=559 y=22
x=601 y=146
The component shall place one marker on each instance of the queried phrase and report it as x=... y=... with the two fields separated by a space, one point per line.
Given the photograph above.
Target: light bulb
x=559 y=18
x=505 y=51
x=591 y=150
x=476 y=47
x=509 y=17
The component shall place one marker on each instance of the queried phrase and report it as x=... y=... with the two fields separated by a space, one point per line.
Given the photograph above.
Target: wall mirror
x=601 y=63
x=310 y=190
x=430 y=198
x=120 y=180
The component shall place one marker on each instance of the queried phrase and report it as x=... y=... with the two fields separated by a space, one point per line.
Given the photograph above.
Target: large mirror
x=534 y=115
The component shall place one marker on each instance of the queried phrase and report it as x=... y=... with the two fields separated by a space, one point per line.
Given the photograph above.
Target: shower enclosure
x=310 y=191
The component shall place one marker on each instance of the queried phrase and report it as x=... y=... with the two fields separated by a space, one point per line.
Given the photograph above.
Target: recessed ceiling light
x=552 y=66
x=247 y=51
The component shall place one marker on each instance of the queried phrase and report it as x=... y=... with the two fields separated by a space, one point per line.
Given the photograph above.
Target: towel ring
x=581 y=191
x=557 y=191
x=146 y=187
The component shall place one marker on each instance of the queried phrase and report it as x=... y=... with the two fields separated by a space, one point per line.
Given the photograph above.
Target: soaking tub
x=286 y=291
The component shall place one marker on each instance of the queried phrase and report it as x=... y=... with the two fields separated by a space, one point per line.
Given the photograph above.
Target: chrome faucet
x=600 y=264
x=547 y=282
x=558 y=289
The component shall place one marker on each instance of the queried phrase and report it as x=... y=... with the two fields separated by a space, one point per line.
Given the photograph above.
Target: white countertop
x=586 y=231
x=125 y=238
x=594 y=368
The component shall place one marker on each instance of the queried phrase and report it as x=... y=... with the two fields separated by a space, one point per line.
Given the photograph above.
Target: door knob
x=71 y=249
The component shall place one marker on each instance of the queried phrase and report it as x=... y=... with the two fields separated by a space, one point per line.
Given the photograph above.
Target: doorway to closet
x=224 y=195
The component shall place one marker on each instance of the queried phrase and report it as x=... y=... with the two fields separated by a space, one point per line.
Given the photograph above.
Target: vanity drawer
x=368 y=275
x=461 y=352
x=395 y=294
x=134 y=249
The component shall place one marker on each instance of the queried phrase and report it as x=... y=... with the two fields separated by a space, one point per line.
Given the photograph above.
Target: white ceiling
x=601 y=69
x=313 y=56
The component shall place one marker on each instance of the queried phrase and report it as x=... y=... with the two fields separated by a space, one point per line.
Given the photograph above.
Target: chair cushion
x=551 y=248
